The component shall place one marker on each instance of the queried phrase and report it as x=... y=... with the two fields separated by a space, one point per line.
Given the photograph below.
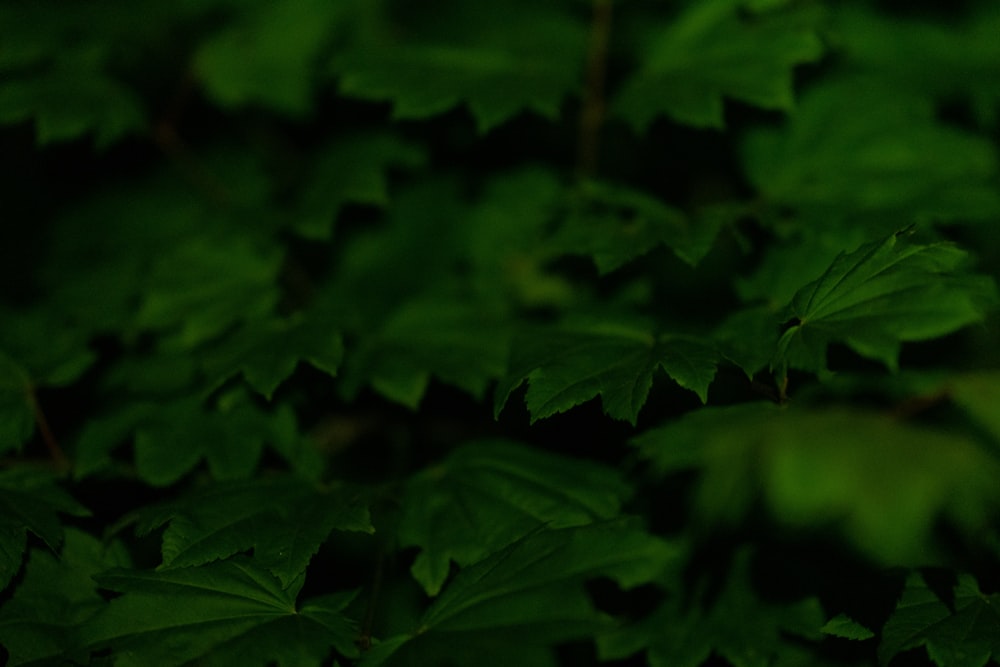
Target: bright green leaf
x=963 y=632
x=486 y=495
x=711 y=52
x=210 y=612
x=880 y=295
x=567 y=365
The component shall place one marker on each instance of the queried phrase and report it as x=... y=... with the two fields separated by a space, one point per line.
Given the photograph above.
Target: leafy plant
x=374 y=332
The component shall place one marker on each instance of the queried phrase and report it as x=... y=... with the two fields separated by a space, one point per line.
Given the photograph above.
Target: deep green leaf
x=711 y=52
x=232 y=607
x=283 y=519
x=567 y=365
x=740 y=626
x=880 y=295
x=476 y=58
x=963 y=632
x=844 y=626
x=30 y=501
x=40 y=620
x=532 y=590
x=486 y=495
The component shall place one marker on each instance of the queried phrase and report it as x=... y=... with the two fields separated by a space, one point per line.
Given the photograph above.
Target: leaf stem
x=56 y=452
x=593 y=104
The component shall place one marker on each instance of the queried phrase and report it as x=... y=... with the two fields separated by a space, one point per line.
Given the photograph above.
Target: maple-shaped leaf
x=173 y=437
x=531 y=592
x=885 y=164
x=459 y=342
x=880 y=484
x=710 y=52
x=353 y=169
x=478 y=58
x=739 y=626
x=267 y=351
x=880 y=295
x=486 y=495
x=961 y=632
x=568 y=365
x=39 y=622
x=266 y=55
x=30 y=501
x=284 y=519
x=213 y=612
x=614 y=225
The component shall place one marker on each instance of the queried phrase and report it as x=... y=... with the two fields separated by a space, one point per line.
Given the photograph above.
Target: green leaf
x=232 y=607
x=978 y=394
x=710 y=52
x=351 y=170
x=17 y=415
x=964 y=632
x=846 y=627
x=567 y=365
x=739 y=626
x=266 y=56
x=477 y=58
x=614 y=225
x=486 y=495
x=461 y=343
x=533 y=589
x=41 y=619
x=880 y=295
x=882 y=484
x=267 y=351
x=284 y=519
x=30 y=501
x=885 y=165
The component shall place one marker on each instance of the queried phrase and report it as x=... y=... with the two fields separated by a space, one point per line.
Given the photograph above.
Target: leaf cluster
x=375 y=332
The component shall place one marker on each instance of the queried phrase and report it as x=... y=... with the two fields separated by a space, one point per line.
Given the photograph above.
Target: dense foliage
x=500 y=333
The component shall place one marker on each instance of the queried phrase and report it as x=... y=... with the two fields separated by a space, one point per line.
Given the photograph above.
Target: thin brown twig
x=593 y=105
x=56 y=452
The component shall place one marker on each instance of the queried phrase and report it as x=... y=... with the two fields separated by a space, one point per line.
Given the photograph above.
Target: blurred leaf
x=351 y=170
x=896 y=161
x=978 y=394
x=213 y=612
x=533 y=591
x=960 y=632
x=475 y=57
x=738 y=625
x=41 y=619
x=710 y=52
x=486 y=495
x=568 y=365
x=880 y=295
x=266 y=54
x=17 y=416
x=881 y=483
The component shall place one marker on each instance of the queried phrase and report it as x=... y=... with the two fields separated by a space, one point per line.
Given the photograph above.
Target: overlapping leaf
x=213 y=613
x=567 y=365
x=30 y=501
x=711 y=52
x=532 y=591
x=895 y=160
x=881 y=484
x=486 y=495
x=267 y=55
x=283 y=519
x=40 y=621
x=474 y=57
x=880 y=295
x=739 y=626
x=961 y=632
